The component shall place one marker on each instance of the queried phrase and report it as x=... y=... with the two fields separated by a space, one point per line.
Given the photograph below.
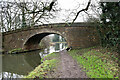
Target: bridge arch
x=32 y=42
x=78 y=35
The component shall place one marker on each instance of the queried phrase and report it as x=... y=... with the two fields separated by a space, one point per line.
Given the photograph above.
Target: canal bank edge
x=95 y=61
x=48 y=65
x=17 y=51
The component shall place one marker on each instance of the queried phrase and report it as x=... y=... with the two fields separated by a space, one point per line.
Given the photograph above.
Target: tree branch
x=81 y=11
x=48 y=8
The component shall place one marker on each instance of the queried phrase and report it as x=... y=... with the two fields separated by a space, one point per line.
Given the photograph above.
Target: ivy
x=110 y=26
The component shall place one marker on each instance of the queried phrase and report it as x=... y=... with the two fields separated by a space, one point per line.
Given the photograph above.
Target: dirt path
x=69 y=67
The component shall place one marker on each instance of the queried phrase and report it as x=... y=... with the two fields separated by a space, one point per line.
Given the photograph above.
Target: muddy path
x=68 y=67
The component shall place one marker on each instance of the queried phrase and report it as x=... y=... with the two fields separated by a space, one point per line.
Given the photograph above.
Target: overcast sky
x=67 y=7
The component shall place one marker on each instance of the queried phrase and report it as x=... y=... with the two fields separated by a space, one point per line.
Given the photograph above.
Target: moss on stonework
x=15 y=50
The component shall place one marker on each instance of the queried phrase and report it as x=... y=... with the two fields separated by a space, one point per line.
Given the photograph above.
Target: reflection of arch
x=21 y=64
x=33 y=59
x=33 y=41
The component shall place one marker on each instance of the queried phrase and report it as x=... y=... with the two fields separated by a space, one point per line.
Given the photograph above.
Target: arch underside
x=33 y=42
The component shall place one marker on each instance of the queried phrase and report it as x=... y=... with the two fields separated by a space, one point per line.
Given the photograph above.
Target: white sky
x=68 y=4
x=67 y=7
x=74 y=6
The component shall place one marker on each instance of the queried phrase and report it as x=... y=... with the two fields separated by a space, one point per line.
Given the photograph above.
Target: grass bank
x=43 y=70
x=97 y=62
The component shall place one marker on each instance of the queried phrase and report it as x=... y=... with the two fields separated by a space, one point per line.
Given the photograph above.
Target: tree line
x=14 y=15
x=107 y=20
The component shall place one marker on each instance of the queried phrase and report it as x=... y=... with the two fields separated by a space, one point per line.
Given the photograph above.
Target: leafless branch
x=81 y=11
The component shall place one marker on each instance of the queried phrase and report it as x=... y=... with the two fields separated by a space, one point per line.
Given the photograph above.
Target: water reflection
x=20 y=64
x=55 y=48
x=17 y=65
x=11 y=75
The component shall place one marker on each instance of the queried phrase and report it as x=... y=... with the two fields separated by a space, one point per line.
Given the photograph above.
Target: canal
x=19 y=65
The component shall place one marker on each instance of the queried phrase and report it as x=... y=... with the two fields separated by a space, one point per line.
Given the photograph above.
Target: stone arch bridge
x=78 y=35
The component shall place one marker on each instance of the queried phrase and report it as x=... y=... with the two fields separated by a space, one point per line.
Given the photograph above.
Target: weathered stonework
x=77 y=36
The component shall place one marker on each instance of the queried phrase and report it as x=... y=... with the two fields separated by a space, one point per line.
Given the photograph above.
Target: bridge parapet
x=79 y=24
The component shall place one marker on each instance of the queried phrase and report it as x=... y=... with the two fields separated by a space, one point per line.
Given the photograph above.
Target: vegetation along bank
x=45 y=69
x=97 y=62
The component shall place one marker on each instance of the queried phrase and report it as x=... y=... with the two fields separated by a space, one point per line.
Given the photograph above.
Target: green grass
x=50 y=56
x=42 y=70
x=49 y=64
x=95 y=63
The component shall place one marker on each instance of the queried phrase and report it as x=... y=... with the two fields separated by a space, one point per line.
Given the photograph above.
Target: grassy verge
x=97 y=62
x=49 y=65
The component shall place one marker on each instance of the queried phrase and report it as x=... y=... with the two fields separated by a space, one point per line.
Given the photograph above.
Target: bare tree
x=76 y=12
x=9 y=14
x=85 y=9
x=36 y=12
x=96 y=12
x=25 y=14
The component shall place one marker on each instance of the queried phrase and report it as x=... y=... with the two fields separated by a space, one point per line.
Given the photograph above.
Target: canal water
x=18 y=65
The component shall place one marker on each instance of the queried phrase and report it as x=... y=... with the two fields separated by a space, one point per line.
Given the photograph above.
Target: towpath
x=69 y=68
